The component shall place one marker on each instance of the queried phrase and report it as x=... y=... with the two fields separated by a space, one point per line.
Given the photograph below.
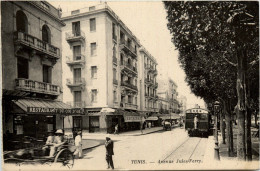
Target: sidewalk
x=223 y=151
x=102 y=136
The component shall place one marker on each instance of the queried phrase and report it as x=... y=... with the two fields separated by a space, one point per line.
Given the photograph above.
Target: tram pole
x=216 y=112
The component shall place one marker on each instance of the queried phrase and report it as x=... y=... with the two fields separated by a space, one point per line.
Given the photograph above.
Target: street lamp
x=216 y=112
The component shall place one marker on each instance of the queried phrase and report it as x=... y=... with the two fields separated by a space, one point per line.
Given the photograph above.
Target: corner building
x=100 y=71
x=31 y=70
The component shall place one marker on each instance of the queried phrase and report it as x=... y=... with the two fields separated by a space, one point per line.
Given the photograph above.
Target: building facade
x=168 y=96
x=101 y=70
x=183 y=103
x=31 y=68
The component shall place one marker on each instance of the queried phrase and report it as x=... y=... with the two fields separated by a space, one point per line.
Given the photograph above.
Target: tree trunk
x=241 y=104
x=222 y=127
x=227 y=112
x=248 y=136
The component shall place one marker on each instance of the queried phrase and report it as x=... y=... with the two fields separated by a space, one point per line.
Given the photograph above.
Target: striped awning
x=38 y=106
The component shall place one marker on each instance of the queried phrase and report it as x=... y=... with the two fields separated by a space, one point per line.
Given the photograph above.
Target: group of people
x=55 y=142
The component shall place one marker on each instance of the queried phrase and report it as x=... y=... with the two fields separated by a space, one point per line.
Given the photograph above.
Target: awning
x=37 y=106
x=170 y=116
x=152 y=118
x=132 y=117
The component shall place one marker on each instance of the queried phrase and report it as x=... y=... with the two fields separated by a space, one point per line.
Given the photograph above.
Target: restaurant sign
x=133 y=118
x=35 y=110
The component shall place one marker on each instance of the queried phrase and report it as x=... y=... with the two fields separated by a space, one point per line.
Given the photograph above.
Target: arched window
x=21 y=22
x=46 y=34
x=122 y=59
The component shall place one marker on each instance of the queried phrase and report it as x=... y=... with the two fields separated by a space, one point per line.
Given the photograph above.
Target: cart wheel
x=65 y=157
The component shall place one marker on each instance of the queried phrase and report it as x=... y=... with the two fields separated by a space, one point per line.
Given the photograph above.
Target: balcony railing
x=129 y=85
x=75 y=81
x=129 y=106
x=78 y=59
x=75 y=36
x=80 y=104
x=40 y=46
x=129 y=48
x=129 y=67
x=36 y=86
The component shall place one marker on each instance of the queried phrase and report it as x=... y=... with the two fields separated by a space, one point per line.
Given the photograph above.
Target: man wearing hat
x=109 y=144
x=58 y=142
x=78 y=144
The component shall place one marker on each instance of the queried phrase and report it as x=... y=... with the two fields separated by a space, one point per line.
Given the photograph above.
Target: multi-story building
x=31 y=68
x=183 y=103
x=167 y=92
x=148 y=89
x=101 y=70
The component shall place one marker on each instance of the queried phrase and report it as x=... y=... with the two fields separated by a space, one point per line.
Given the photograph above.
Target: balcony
x=129 y=85
x=75 y=37
x=129 y=68
x=76 y=60
x=36 y=87
x=115 y=82
x=79 y=82
x=80 y=104
x=129 y=106
x=33 y=43
x=128 y=48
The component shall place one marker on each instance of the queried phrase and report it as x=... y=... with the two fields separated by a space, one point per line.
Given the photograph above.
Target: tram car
x=199 y=126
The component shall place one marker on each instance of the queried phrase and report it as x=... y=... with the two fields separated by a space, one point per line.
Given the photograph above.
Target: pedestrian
x=109 y=144
x=78 y=144
x=196 y=120
x=58 y=142
x=116 y=129
x=141 y=127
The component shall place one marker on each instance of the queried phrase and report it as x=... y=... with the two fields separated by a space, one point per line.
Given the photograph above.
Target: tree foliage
x=206 y=43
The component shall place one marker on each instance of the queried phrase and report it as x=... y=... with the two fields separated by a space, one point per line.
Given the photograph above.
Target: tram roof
x=196 y=110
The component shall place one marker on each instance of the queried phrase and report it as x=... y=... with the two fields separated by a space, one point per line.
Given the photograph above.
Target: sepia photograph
x=129 y=85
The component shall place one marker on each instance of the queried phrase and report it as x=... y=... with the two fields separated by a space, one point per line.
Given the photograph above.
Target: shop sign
x=132 y=118
x=34 y=110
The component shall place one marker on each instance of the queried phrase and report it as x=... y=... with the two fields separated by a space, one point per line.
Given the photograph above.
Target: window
x=94 y=95
x=92 y=24
x=130 y=99
x=77 y=76
x=94 y=72
x=21 y=22
x=76 y=53
x=115 y=96
x=77 y=99
x=114 y=52
x=76 y=28
x=92 y=8
x=135 y=100
x=22 y=68
x=46 y=34
x=47 y=71
x=77 y=121
x=93 y=47
x=122 y=59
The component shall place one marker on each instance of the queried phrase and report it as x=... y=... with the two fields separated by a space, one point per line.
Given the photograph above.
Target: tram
x=199 y=126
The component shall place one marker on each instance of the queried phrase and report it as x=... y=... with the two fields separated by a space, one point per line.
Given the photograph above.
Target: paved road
x=160 y=150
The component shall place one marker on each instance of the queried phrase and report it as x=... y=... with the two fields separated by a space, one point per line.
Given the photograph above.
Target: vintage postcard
x=130 y=85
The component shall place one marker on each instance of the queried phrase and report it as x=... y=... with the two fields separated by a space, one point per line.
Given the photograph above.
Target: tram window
x=189 y=116
x=203 y=116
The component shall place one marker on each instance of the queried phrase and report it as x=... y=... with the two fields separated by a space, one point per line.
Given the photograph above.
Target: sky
x=147 y=20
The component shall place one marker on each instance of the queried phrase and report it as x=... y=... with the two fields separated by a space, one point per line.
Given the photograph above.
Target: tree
x=214 y=53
